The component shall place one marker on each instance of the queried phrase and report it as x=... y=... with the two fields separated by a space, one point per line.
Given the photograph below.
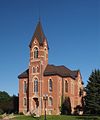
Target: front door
x=36 y=106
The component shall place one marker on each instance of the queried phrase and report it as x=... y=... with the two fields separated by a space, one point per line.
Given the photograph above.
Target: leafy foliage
x=8 y=103
x=66 y=106
x=92 y=99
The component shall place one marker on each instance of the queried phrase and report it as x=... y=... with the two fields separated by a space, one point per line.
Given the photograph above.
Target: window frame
x=50 y=85
x=36 y=52
x=35 y=86
x=25 y=86
x=66 y=86
x=50 y=101
x=25 y=102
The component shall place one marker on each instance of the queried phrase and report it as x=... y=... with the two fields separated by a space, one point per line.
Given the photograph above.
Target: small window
x=25 y=87
x=35 y=85
x=45 y=50
x=25 y=102
x=50 y=85
x=37 y=69
x=50 y=101
x=66 y=86
x=35 y=52
x=34 y=70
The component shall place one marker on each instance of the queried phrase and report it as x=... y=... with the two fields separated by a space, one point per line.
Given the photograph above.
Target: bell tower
x=38 y=62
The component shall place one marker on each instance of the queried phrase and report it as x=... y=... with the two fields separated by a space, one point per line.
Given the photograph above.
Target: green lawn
x=60 y=117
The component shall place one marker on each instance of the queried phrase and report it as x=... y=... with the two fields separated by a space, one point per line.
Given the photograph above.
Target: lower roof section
x=61 y=71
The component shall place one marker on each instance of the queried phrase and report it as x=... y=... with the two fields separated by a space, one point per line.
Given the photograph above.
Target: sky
x=72 y=28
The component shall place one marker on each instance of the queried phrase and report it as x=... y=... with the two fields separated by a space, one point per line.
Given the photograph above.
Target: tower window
x=66 y=86
x=35 y=85
x=50 y=85
x=33 y=69
x=37 y=69
x=35 y=52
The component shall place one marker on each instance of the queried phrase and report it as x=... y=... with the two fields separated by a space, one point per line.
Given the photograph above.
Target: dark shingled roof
x=38 y=34
x=25 y=74
x=54 y=70
x=59 y=70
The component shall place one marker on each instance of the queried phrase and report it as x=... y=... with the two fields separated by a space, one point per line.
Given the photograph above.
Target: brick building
x=44 y=80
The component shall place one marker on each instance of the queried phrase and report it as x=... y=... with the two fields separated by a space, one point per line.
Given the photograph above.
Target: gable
x=25 y=74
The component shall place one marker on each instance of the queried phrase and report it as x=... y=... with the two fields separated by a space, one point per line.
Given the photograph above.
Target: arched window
x=50 y=101
x=25 y=102
x=50 y=85
x=66 y=86
x=35 y=52
x=25 y=87
x=36 y=85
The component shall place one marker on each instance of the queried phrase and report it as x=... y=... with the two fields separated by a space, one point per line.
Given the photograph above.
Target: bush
x=66 y=107
x=1 y=111
x=21 y=113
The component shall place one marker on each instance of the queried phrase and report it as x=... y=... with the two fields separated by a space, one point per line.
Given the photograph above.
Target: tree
x=92 y=99
x=15 y=103
x=8 y=103
x=66 y=106
x=4 y=101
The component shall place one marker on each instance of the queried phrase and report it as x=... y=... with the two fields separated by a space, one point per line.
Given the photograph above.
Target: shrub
x=1 y=111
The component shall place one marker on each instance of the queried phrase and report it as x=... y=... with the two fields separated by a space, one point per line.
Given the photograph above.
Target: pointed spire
x=38 y=34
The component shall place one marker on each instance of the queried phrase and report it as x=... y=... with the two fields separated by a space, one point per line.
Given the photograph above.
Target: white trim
x=49 y=101
x=50 y=110
x=23 y=86
x=33 y=52
x=24 y=102
x=37 y=69
x=65 y=86
x=35 y=77
x=35 y=46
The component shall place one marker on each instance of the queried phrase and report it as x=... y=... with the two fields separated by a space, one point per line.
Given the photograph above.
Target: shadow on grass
x=87 y=118
x=36 y=118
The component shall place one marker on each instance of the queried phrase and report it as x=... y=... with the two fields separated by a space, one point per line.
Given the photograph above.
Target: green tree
x=66 y=106
x=92 y=99
x=8 y=103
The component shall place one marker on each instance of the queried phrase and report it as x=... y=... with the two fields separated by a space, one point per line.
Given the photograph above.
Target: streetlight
x=45 y=97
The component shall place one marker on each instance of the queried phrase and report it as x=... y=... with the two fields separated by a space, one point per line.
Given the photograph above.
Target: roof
x=60 y=70
x=25 y=74
x=38 y=34
x=54 y=70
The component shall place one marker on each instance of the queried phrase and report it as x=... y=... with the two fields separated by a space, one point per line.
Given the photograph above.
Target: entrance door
x=36 y=106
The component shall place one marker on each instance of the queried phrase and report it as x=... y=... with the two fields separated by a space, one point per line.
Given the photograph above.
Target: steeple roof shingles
x=38 y=34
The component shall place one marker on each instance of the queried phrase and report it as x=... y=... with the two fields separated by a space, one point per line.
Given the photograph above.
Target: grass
x=0 y=116
x=59 y=117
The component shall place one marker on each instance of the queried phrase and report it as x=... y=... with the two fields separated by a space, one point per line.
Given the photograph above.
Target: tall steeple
x=38 y=34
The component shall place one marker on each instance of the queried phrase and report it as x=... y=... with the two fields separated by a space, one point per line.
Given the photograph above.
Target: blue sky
x=72 y=28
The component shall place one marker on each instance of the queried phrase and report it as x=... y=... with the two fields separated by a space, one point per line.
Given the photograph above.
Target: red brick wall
x=57 y=92
x=22 y=95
